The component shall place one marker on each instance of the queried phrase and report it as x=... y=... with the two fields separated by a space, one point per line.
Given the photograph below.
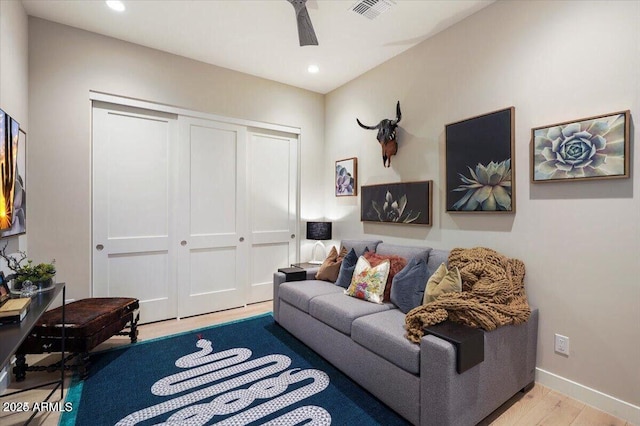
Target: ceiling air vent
x=372 y=8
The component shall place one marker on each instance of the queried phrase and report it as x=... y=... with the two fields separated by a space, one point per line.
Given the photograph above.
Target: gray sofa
x=366 y=341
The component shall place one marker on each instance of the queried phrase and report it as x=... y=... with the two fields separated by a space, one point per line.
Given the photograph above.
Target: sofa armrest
x=279 y=278
x=449 y=398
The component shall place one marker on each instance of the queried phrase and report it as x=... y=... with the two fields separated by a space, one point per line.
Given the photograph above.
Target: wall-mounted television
x=9 y=135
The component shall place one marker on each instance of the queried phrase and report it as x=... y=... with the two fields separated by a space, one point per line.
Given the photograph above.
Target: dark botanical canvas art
x=479 y=167
x=408 y=202
x=590 y=148
x=346 y=181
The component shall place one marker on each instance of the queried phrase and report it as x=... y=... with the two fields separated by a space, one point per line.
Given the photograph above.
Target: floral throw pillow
x=368 y=282
x=397 y=264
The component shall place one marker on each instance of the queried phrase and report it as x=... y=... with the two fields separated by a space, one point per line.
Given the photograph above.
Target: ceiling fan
x=306 y=34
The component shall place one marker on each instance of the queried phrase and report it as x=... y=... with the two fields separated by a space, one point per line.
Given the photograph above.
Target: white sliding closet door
x=190 y=215
x=212 y=224
x=133 y=198
x=273 y=172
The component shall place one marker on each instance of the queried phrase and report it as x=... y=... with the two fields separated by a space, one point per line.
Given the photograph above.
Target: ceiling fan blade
x=306 y=33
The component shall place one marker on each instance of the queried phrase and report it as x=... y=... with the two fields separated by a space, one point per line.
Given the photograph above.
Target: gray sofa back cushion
x=436 y=258
x=407 y=252
x=360 y=245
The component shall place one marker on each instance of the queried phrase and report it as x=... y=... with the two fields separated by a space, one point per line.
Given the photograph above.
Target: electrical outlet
x=562 y=344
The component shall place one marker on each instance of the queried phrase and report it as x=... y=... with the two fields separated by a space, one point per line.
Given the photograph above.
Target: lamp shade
x=318 y=230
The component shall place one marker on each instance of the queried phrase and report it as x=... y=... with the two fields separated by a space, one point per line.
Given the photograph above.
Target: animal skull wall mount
x=386 y=136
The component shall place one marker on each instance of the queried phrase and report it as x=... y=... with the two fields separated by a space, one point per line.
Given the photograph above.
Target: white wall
x=14 y=61
x=66 y=63
x=554 y=61
x=14 y=78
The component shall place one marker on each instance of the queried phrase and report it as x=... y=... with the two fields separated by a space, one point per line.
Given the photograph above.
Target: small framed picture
x=346 y=179
x=585 y=149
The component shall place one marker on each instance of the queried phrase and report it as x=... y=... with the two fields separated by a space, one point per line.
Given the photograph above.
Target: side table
x=294 y=274
x=306 y=265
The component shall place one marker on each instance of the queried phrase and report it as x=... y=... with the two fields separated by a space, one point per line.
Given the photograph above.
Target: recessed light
x=116 y=5
x=313 y=69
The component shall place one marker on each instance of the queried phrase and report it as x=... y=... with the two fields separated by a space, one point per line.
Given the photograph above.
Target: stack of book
x=14 y=310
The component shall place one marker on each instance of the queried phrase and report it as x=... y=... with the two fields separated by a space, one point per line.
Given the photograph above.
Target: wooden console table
x=13 y=335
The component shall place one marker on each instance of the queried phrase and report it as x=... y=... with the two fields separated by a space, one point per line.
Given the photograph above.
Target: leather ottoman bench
x=88 y=322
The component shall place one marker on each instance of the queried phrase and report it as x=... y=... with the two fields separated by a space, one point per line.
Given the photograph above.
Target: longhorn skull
x=386 y=136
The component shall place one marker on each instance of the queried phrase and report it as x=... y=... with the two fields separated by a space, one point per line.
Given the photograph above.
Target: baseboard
x=589 y=396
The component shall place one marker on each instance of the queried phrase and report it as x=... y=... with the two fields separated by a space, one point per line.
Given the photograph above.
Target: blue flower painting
x=346 y=182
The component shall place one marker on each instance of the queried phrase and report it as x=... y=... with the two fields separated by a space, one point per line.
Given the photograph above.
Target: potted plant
x=40 y=275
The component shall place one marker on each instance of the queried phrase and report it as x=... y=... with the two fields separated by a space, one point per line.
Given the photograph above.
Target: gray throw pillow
x=408 y=285
x=346 y=269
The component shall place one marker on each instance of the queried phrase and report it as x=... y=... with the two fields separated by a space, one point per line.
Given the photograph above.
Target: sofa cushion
x=397 y=263
x=329 y=269
x=346 y=269
x=383 y=334
x=360 y=245
x=404 y=251
x=300 y=293
x=338 y=310
x=408 y=285
x=368 y=282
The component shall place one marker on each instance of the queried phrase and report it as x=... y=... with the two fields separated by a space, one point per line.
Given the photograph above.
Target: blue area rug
x=249 y=372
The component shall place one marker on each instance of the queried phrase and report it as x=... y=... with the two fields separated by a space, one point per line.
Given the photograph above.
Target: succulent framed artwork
x=479 y=167
x=586 y=149
x=346 y=177
x=400 y=203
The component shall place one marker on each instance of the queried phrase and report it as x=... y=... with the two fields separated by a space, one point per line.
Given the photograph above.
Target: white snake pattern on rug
x=206 y=367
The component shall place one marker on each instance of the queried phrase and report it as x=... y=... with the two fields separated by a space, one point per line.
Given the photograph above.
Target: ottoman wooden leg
x=20 y=370
x=83 y=365
x=133 y=334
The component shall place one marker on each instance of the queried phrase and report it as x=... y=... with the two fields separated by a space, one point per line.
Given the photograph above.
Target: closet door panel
x=213 y=176
x=212 y=272
x=133 y=169
x=218 y=263
x=273 y=204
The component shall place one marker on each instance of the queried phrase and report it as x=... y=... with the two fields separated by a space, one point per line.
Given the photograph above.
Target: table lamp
x=318 y=231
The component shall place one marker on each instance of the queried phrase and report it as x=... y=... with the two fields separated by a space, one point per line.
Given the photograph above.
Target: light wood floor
x=540 y=406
